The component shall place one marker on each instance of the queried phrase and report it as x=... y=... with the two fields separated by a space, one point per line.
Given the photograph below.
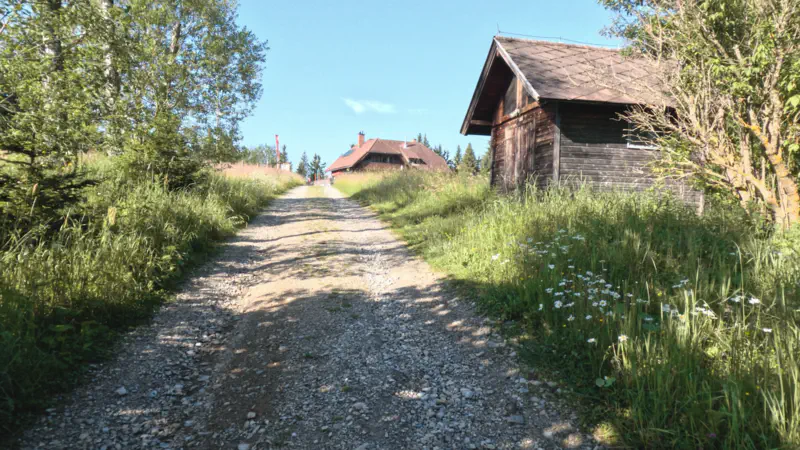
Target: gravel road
x=314 y=328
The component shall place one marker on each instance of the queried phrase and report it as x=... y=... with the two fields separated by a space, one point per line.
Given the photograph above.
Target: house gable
x=554 y=71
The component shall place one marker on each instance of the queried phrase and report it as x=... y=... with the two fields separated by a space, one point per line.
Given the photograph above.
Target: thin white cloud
x=362 y=106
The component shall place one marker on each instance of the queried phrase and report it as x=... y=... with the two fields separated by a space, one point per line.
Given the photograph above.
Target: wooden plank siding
x=572 y=143
x=522 y=142
x=595 y=151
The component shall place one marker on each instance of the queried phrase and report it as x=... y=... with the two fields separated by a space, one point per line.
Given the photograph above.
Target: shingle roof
x=385 y=146
x=579 y=72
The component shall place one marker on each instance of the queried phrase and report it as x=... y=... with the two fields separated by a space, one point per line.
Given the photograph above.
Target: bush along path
x=313 y=328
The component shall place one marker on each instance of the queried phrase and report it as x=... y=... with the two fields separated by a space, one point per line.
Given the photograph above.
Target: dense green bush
x=681 y=330
x=107 y=265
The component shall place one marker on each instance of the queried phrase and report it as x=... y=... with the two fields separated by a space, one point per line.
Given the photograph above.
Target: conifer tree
x=468 y=163
x=302 y=165
x=486 y=161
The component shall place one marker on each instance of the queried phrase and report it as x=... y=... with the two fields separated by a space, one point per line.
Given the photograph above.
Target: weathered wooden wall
x=594 y=150
x=573 y=143
x=522 y=142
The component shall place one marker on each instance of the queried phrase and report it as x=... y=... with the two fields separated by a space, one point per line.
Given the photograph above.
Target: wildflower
x=588 y=317
x=767 y=330
x=594 y=304
x=629 y=295
x=648 y=319
x=551 y=266
x=588 y=272
x=541 y=306
x=736 y=299
x=559 y=294
x=549 y=290
x=665 y=308
x=570 y=318
x=754 y=301
x=591 y=340
x=622 y=338
x=603 y=303
x=558 y=304
x=495 y=257
x=570 y=267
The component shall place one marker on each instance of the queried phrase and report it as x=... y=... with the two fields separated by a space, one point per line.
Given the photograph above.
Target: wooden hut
x=554 y=114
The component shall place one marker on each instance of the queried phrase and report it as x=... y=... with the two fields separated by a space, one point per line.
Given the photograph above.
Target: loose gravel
x=314 y=328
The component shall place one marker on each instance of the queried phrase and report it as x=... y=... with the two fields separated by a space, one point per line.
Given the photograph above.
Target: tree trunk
x=111 y=74
x=788 y=212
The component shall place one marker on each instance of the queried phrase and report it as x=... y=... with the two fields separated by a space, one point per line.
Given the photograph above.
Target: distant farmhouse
x=553 y=113
x=383 y=154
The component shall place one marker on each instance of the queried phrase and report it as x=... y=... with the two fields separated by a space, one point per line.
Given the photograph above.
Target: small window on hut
x=510 y=98
x=641 y=139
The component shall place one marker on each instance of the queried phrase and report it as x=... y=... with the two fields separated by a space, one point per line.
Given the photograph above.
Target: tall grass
x=64 y=294
x=681 y=329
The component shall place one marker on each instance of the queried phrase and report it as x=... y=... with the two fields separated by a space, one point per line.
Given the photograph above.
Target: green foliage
x=302 y=166
x=468 y=163
x=733 y=116
x=165 y=84
x=259 y=154
x=486 y=162
x=316 y=169
x=689 y=323
x=65 y=293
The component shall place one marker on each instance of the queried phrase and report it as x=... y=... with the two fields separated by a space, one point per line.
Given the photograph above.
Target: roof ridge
x=542 y=41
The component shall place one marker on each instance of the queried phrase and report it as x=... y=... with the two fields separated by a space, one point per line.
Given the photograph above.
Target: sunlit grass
x=682 y=328
x=65 y=292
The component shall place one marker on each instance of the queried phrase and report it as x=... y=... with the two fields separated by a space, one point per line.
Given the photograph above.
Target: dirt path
x=315 y=328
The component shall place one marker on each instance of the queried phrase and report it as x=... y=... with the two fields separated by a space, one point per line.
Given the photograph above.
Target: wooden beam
x=514 y=68
x=557 y=145
x=487 y=67
x=486 y=123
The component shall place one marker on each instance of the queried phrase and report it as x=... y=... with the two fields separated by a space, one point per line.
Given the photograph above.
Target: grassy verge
x=677 y=331
x=66 y=293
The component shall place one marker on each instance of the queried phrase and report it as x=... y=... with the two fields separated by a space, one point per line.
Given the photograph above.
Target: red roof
x=406 y=150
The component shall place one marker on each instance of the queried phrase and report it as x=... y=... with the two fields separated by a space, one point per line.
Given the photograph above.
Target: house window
x=416 y=161
x=641 y=139
x=510 y=98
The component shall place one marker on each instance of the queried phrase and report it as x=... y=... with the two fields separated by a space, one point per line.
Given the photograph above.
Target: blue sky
x=390 y=68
